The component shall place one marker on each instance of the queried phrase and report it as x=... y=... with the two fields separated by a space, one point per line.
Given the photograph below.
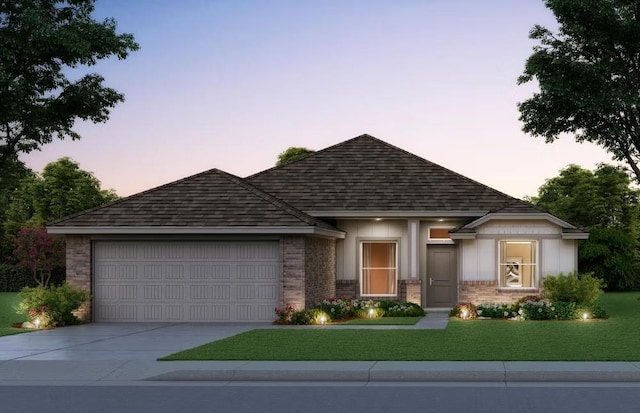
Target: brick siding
x=478 y=292
x=79 y=269
x=408 y=290
x=320 y=270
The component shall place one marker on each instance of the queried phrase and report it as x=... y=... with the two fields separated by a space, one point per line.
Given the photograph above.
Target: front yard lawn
x=384 y=321
x=8 y=314
x=615 y=339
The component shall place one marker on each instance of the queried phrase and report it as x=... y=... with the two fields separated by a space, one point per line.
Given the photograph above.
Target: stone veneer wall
x=320 y=270
x=478 y=292
x=408 y=290
x=79 y=269
x=292 y=255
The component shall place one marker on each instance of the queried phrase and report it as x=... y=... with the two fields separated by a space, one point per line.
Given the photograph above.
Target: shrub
x=284 y=314
x=537 y=310
x=565 y=310
x=55 y=304
x=573 y=288
x=301 y=317
x=404 y=309
x=340 y=307
x=497 y=310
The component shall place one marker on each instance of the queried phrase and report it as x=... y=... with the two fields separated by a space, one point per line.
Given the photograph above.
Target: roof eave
x=177 y=230
x=394 y=214
x=519 y=216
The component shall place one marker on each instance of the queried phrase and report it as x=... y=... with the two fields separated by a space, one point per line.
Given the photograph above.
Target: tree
x=603 y=198
x=13 y=172
x=589 y=77
x=603 y=202
x=39 y=252
x=292 y=154
x=40 y=40
x=610 y=255
x=63 y=189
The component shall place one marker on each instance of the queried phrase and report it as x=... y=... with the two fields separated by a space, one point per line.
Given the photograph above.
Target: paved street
x=350 y=397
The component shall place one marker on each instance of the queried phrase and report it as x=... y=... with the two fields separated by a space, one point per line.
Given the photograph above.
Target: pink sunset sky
x=231 y=84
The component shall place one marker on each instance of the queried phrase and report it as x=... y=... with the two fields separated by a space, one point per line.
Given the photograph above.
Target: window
x=379 y=268
x=440 y=235
x=518 y=264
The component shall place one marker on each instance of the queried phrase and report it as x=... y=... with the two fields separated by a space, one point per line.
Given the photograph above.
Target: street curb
x=488 y=372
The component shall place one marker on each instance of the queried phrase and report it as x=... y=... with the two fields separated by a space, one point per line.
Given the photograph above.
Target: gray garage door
x=185 y=281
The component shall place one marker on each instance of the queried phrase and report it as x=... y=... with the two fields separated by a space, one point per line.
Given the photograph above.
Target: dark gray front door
x=442 y=278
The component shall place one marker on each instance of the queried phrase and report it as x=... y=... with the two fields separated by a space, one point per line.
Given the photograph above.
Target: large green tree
x=588 y=72
x=40 y=40
x=291 y=154
x=605 y=203
x=61 y=190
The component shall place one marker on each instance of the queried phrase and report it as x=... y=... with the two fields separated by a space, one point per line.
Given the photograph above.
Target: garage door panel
x=186 y=281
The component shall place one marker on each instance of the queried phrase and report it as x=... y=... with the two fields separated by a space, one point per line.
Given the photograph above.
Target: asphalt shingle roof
x=367 y=174
x=211 y=198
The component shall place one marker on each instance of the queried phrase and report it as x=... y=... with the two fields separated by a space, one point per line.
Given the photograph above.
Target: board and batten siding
x=347 y=254
x=479 y=257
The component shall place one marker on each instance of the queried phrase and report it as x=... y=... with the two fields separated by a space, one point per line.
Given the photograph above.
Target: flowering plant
x=284 y=314
x=40 y=317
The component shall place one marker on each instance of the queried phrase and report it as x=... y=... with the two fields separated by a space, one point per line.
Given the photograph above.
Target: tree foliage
x=40 y=40
x=602 y=198
x=39 y=252
x=605 y=203
x=292 y=154
x=611 y=254
x=589 y=77
x=61 y=190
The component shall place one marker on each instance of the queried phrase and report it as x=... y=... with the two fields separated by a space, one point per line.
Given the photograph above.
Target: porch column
x=414 y=248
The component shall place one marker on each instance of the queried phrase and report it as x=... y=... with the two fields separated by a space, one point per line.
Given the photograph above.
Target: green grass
x=615 y=339
x=384 y=321
x=8 y=315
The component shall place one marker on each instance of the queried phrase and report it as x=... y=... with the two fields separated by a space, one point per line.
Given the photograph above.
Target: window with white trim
x=378 y=268
x=439 y=234
x=518 y=264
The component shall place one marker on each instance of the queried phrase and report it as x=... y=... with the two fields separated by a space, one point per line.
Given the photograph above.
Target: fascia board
x=164 y=230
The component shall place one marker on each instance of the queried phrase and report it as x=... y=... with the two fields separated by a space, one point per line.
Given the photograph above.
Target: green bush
x=497 y=310
x=565 y=310
x=339 y=307
x=573 y=288
x=301 y=317
x=54 y=306
x=537 y=310
x=404 y=309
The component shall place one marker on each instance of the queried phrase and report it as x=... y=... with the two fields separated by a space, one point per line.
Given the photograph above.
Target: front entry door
x=442 y=278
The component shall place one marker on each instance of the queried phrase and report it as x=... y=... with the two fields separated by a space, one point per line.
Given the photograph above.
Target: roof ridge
x=306 y=218
x=365 y=135
x=466 y=178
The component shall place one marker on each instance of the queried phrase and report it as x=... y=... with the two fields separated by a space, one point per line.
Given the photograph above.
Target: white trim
x=527 y=217
x=575 y=235
x=243 y=230
x=361 y=259
x=536 y=265
x=414 y=247
x=463 y=235
x=395 y=214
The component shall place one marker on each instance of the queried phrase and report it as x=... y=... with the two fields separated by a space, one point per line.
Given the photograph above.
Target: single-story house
x=362 y=218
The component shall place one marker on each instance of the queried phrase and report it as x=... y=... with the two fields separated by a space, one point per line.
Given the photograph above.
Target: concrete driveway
x=116 y=341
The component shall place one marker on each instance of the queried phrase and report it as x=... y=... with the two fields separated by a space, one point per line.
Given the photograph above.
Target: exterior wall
x=320 y=270
x=78 y=262
x=408 y=290
x=478 y=277
x=348 y=254
x=292 y=290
